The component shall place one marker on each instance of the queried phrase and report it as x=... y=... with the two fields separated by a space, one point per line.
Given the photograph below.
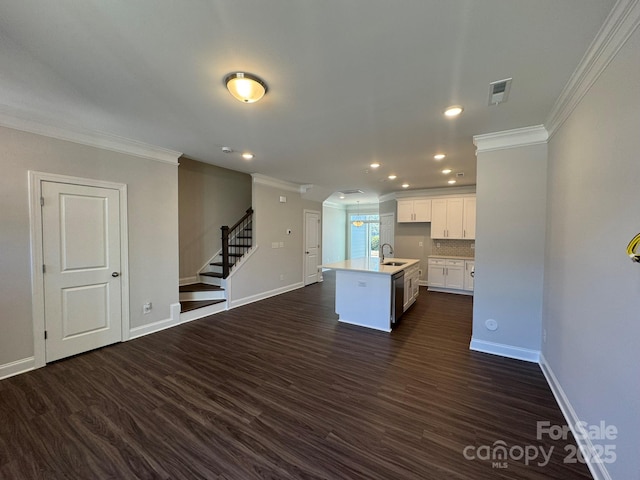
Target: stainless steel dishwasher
x=397 y=298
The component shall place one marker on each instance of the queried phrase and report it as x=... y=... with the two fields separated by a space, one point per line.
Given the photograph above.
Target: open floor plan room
x=279 y=389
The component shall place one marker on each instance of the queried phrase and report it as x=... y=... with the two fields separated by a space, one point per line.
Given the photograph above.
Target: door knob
x=115 y=274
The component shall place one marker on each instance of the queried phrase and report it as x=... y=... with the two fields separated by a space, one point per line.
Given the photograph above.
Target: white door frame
x=304 y=244
x=37 y=258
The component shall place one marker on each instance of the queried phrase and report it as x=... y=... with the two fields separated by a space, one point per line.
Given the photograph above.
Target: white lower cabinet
x=411 y=285
x=447 y=273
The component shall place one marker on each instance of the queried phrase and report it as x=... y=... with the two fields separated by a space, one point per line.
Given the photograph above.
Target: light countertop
x=372 y=265
x=453 y=257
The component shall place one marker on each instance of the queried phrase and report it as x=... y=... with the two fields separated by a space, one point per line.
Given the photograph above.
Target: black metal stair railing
x=236 y=241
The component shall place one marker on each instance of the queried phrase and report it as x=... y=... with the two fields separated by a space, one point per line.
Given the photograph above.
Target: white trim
x=15 y=368
x=449 y=290
x=105 y=141
x=203 y=312
x=261 y=296
x=621 y=22
x=598 y=470
x=437 y=192
x=518 y=137
x=503 y=350
x=143 y=330
x=335 y=206
x=188 y=280
x=36 y=234
x=276 y=183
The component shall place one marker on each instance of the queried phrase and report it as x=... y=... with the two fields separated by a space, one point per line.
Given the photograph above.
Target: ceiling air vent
x=350 y=192
x=460 y=174
x=499 y=91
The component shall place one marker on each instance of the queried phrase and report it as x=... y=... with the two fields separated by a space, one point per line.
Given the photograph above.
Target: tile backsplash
x=454 y=248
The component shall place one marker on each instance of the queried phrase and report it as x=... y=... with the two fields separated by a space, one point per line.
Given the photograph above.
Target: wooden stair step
x=243 y=236
x=236 y=254
x=239 y=245
x=211 y=274
x=200 y=287
x=187 y=306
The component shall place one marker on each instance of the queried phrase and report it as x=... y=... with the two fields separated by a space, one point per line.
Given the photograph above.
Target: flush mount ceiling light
x=245 y=87
x=375 y=165
x=405 y=185
x=453 y=111
x=446 y=171
x=439 y=156
x=451 y=182
x=248 y=156
x=357 y=222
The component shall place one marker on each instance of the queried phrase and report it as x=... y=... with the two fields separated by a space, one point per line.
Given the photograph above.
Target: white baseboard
x=503 y=350
x=143 y=330
x=450 y=290
x=14 y=368
x=261 y=296
x=598 y=470
x=188 y=280
x=349 y=322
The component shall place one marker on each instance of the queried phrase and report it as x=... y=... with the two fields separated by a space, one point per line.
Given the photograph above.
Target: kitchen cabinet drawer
x=437 y=261
x=454 y=263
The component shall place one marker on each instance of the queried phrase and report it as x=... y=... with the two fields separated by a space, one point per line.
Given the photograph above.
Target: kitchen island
x=368 y=292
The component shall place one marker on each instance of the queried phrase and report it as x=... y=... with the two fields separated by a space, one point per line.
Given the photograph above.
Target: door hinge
x=42 y=201
x=45 y=334
x=44 y=268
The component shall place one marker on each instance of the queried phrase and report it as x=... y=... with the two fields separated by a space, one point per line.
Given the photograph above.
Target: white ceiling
x=350 y=81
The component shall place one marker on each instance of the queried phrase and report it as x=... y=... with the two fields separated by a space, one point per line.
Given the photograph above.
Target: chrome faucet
x=382 y=251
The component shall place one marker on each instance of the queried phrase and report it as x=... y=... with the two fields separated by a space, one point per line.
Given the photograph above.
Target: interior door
x=81 y=251
x=311 y=247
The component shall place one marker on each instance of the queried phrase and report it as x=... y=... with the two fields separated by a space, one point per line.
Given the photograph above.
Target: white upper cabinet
x=447 y=218
x=418 y=210
x=469 y=219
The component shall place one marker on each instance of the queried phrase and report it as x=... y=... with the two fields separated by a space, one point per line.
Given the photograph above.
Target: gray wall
x=334 y=234
x=260 y=274
x=408 y=237
x=153 y=228
x=592 y=289
x=510 y=237
x=209 y=197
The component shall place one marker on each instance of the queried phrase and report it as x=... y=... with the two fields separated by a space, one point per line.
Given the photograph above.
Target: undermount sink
x=393 y=264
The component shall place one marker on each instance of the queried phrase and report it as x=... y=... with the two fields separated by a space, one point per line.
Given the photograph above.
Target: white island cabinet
x=366 y=291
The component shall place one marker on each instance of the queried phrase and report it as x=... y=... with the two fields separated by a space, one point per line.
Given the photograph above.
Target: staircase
x=208 y=296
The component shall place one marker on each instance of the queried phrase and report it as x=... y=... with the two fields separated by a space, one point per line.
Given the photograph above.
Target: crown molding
x=336 y=206
x=518 y=137
x=621 y=22
x=90 y=138
x=277 y=183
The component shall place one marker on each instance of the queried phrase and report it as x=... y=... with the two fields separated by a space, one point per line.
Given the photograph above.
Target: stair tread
x=188 y=305
x=239 y=245
x=200 y=287
x=211 y=274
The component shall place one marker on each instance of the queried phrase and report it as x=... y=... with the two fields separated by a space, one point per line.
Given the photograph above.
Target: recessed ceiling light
x=405 y=185
x=247 y=156
x=341 y=197
x=375 y=165
x=451 y=182
x=446 y=171
x=439 y=156
x=453 y=111
x=392 y=177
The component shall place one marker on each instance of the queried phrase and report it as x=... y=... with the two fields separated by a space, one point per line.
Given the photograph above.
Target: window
x=364 y=241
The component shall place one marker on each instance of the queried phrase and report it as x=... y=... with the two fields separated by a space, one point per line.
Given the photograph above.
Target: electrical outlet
x=473 y=246
x=419 y=244
x=437 y=244
x=281 y=244
x=146 y=308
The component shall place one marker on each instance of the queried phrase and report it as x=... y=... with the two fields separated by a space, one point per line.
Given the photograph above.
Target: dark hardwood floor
x=279 y=390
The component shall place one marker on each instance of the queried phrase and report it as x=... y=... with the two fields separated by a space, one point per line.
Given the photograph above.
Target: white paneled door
x=311 y=247
x=387 y=234
x=81 y=253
